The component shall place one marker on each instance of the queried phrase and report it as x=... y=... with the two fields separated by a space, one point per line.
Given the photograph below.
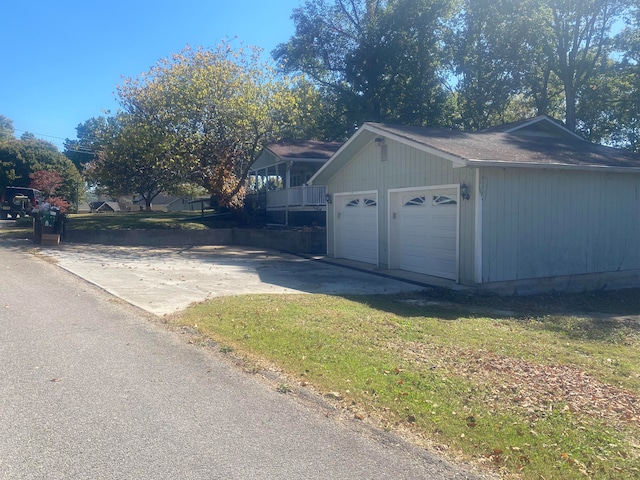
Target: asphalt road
x=92 y=388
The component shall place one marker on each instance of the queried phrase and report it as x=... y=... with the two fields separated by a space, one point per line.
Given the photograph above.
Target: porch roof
x=302 y=151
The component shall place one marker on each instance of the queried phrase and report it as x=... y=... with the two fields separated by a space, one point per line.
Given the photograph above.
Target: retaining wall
x=298 y=241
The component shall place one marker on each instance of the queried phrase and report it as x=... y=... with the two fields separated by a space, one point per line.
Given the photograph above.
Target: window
x=353 y=203
x=370 y=202
x=443 y=200
x=417 y=201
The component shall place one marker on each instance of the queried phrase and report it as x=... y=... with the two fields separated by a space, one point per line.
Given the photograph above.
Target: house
x=279 y=179
x=527 y=207
x=84 y=207
x=172 y=203
x=104 y=207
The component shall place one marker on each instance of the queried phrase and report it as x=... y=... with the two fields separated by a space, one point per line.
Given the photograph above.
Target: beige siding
x=544 y=223
x=405 y=167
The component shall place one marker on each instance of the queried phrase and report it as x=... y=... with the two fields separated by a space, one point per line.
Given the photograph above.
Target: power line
x=39 y=134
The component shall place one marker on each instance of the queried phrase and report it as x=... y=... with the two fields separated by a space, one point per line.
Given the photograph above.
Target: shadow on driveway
x=167 y=280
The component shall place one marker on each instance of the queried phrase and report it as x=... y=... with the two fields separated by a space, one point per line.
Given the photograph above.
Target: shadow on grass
x=607 y=316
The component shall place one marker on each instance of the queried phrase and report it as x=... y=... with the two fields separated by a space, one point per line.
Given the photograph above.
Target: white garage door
x=356 y=223
x=426 y=238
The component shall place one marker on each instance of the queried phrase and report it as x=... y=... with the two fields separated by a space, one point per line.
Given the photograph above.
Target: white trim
x=450 y=186
x=478 y=228
x=426 y=187
x=475 y=163
x=335 y=229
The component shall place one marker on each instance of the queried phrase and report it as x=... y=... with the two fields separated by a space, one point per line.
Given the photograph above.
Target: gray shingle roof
x=304 y=149
x=512 y=148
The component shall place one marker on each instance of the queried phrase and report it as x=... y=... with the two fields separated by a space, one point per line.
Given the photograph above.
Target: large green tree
x=377 y=60
x=20 y=158
x=82 y=150
x=547 y=53
x=200 y=116
x=577 y=34
x=134 y=156
x=485 y=37
x=614 y=101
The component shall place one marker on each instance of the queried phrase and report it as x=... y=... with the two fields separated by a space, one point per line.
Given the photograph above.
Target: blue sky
x=60 y=61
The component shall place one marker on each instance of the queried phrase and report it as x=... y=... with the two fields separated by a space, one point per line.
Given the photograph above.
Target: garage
x=424 y=231
x=356 y=221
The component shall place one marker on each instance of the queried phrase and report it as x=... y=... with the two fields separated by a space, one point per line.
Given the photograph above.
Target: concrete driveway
x=166 y=280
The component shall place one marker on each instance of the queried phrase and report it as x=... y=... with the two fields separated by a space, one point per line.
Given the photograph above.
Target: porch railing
x=306 y=196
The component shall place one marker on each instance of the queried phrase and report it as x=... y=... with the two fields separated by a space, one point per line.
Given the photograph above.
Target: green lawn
x=23 y=228
x=145 y=221
x=528 y=395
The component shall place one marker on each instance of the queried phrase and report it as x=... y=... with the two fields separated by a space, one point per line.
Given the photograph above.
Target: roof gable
x=541 y=126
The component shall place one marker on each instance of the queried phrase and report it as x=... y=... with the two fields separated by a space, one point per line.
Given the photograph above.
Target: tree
x=134 y=157
x=621 y=125
x=200 y=116
x=20 y=158
x=380 y=60
x=48 y=183
x=414 y=59
x=6 y=128
x=547 y=53
x=45 y=181
x=577 y=36
x=485 y=40
x=82 y=150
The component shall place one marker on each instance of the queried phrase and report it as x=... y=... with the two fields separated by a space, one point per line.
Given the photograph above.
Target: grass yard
x=536 y=393
x=143 y=221
x=23 y=228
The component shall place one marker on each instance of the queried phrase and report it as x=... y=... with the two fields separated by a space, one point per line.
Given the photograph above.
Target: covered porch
x=279 y=180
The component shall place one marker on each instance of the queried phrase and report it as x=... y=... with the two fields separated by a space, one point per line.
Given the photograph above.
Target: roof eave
x=476 y=163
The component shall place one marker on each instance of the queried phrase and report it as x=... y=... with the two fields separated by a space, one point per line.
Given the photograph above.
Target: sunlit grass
x=462 y=384
x=143 y=221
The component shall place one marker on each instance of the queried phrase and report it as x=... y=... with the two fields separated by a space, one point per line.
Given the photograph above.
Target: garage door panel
x=357 y=227
x=426 y=236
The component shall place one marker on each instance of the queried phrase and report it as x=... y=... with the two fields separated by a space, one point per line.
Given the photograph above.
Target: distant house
x=104 y=207
x=525 y=207
x=162 y=203
x=280 y=175
x=84 y=207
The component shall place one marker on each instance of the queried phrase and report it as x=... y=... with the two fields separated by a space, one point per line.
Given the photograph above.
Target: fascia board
x=332 y=166
x=550 y=166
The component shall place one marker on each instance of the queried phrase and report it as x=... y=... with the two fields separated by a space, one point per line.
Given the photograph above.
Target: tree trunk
x=570 y=99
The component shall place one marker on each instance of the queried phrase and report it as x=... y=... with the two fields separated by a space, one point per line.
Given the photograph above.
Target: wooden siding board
x=543 y=224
